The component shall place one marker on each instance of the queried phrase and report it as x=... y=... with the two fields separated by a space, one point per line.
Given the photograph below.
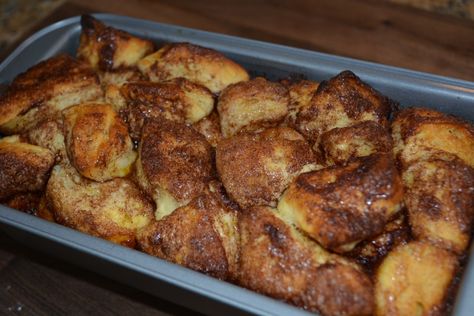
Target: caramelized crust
x=106 y=48
x=44 y=209
x=113 y=210
x=341 y=205
x=420 y=133
x=339 y=145
x=278 y=261
x=202 y=235
x=178 y=100
x=300 y=95
x=350 y=207
x=27 y=202
x=340 y=102
x=371 y=251
x=255 y=168
x=210 y=128
x=174 y=164
x=440 y=201
x=195 y=63
x=44 y=90
x=23 y=168
x=255 y=102
x=413 y=280
x=97 y=141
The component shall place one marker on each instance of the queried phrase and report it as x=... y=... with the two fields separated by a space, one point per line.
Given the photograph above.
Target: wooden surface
x=34 y=284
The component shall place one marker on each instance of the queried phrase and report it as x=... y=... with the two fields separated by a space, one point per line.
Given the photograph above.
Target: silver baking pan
x=172 y=282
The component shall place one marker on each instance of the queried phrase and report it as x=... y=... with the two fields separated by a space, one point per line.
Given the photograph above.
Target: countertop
x=435 y=40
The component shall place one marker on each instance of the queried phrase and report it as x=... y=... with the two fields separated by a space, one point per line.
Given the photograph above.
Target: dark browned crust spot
x=371 y=252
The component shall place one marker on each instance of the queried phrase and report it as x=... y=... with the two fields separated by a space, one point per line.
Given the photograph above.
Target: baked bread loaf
x=320 y=194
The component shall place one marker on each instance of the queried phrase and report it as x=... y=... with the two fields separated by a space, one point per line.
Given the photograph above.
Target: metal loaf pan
x=172 y=282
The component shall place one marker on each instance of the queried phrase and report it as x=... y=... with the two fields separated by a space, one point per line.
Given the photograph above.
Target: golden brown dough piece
x=301 y=93
x=195 y=63
x=210 y=128
x=342 y=101
x=49 y=134
x=178 y=100
x=339 y=145
x=118 y=77
x=257 y=102
x=413 y=280
x=420 y=133
x=23 y=168
x=113 y=210
x=256 y=167
x=97 y=141
x=341 y=205
x=202 y=235
x=107 y=48
x=174 y=164
x=278 y=261
x=113 y=52
x=440 y=201
x=44 y=90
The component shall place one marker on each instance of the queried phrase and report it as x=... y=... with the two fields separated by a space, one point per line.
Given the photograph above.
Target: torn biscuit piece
x=178 y=100
x=113 y=210
x=97 y=141
x=23 y=168
x=339 y=206
x=252 y=104
x=256 y=167
x=44 y=90
x=340 y=102
x=440 y=201
x=278 y=260
x=414 y=279
x=195 y=63
x=420 y=134
x=107 y=49
x=174 y=164
x=202 y=235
